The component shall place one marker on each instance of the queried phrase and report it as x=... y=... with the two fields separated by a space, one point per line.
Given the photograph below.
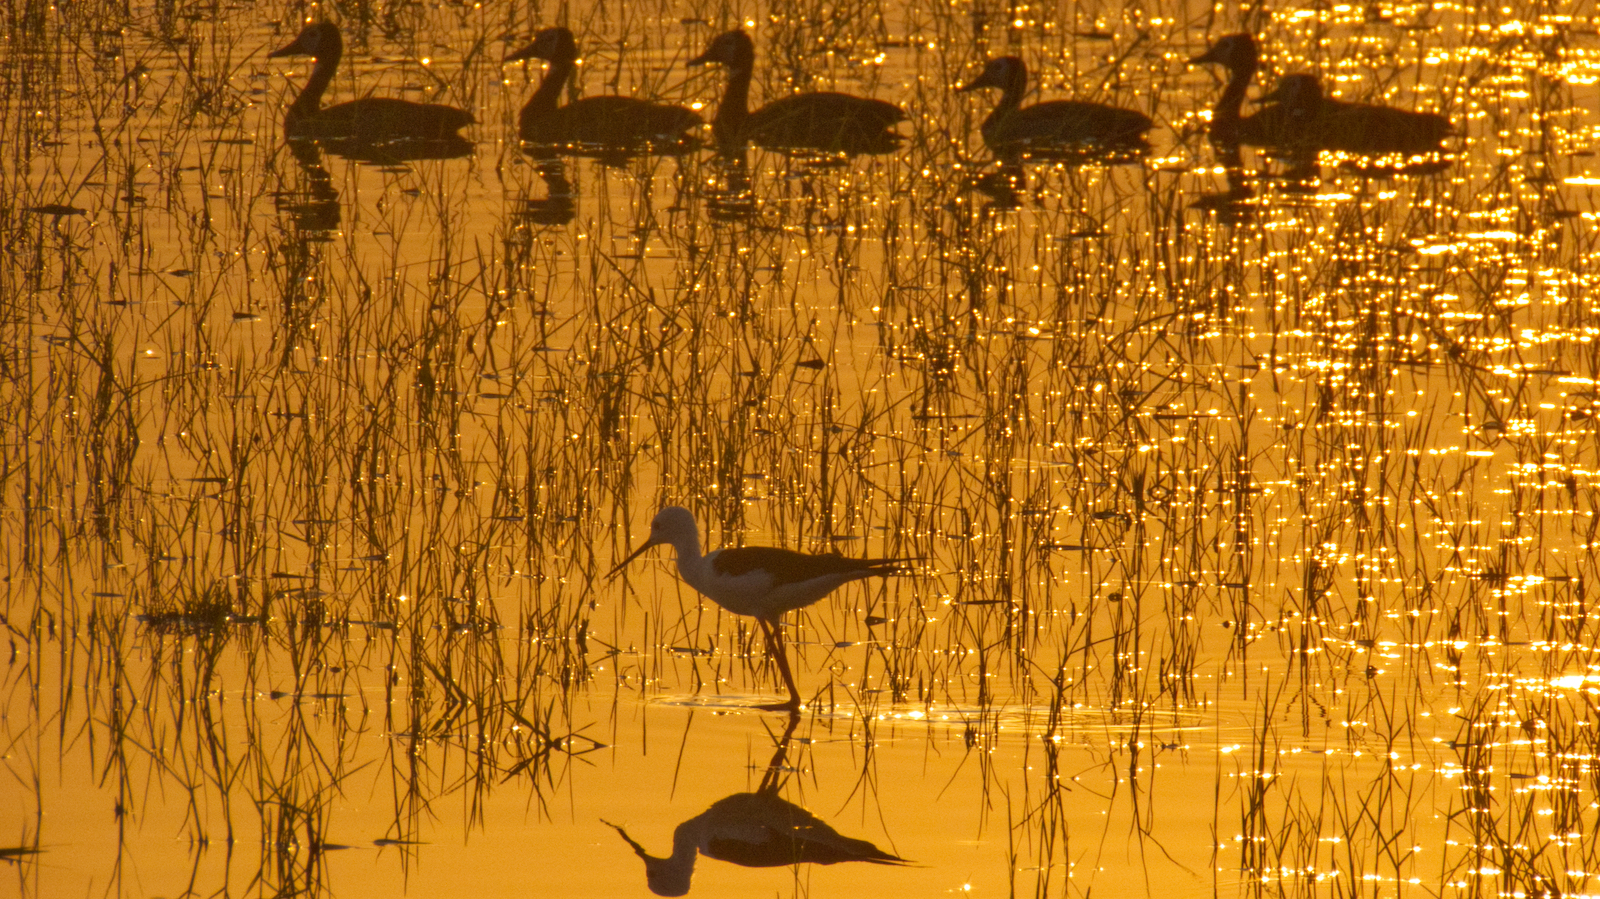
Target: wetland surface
x=1253 y=528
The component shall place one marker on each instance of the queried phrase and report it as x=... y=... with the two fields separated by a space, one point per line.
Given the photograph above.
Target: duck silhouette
x=367 y=120
x=601 y=125
x=1054 y=127
x=1229 y=127
x=820 y=120
x=1305 y=119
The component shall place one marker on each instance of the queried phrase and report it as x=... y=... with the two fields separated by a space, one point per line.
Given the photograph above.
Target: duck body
x=1054 y=126
x=369 y=119
x=819 y=120
x=1308 y=120
x=755 y=830
x=606 y=123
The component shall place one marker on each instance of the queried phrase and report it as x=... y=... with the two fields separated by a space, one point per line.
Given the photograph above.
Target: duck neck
x=1232 y=99
x=309 y=102
x=548 y=96
x=733 y=109
x=1010 y=100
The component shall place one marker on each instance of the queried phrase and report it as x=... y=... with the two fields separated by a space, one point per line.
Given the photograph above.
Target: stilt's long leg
x=775 y=646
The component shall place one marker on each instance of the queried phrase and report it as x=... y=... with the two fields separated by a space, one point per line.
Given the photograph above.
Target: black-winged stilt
x=759 y=581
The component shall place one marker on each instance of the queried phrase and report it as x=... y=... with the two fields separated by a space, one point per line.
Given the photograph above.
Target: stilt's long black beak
x=631 y=556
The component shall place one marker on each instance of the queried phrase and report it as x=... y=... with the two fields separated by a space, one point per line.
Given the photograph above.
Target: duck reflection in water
x=315 y=209
x=375 y=129
x=754 y=830
x=729 y=196
x=819 y=121
x=559 y=205
x=609 y=127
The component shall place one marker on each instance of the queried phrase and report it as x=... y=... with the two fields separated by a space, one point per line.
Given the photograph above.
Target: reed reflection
x=754 y=830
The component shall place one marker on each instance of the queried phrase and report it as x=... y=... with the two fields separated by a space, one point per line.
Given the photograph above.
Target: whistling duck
x=374 y=119
x=607 y=123
x=1315 y=122
x=1054 y=126
x=756 y=830
x=822 y=120
x=1239 y=55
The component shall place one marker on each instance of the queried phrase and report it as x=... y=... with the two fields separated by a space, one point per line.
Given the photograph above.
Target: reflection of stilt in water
x=316 y=208
x=755 y=830
x=559 y=205
x=729 y=195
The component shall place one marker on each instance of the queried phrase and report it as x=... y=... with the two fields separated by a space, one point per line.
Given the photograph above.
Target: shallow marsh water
x=1254 y=540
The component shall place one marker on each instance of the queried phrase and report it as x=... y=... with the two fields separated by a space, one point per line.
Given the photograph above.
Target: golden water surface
x=1253 y=535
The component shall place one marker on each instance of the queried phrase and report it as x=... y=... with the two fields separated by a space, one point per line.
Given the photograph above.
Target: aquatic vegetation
x=1254 y=533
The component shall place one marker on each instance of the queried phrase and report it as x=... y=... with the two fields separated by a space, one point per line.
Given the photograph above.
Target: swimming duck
x=369 y=119
x=1313 y=121
x=821 y=120
x=1012 y=129
x=606 y=123
x=1240 y=56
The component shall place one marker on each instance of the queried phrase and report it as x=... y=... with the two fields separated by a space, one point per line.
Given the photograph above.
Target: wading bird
x=369 y=119
x=762 y=582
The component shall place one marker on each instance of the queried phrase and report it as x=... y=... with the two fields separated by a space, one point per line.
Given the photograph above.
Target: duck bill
x=528 y=52
x=631 y=556
x=294 y=48
x=1208 y=56
x=702 y=59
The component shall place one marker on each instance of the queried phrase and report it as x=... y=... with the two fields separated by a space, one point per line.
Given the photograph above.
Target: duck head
x=318 y=40
x=1009 y=73
x=733 y=49
x=550 y=45
x=1237 y=52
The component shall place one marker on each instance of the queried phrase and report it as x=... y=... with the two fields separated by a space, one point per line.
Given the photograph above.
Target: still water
x=1252 y=514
